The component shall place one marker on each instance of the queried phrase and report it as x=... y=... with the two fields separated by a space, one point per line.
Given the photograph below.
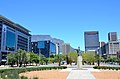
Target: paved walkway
x=80 y=74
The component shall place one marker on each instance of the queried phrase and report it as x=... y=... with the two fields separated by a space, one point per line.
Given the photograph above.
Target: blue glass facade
x=52 y=48
x=10 y=40
x=41 y=44
x=44 y=47
x=12 y=37
x=0 y=33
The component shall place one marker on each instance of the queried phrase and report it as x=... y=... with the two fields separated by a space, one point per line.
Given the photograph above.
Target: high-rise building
x=112 y=48
x=12 y=37
x=102 y=49
x=112 y=36
x=91 y=40
x=45 y=48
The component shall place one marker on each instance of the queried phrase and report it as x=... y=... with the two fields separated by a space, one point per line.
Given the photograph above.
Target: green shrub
x=106 y=67
x=35 y=77
x=14 y=73
x=23 y=77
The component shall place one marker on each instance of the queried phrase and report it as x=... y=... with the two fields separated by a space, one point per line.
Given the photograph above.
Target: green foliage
x=97 y=59
x=112 y=59
x=22 y=57
x=51 y=60
x=89 y=57
x=11 y=58
x=9 y=75
x=35 y=58
x=23 y=77
x=52 y=56
x=58 y=58
x=31 y=56
x=64 y=57
x=72 y=57
x=106 y=67
x=14 y=73
x=43 y=59
x=35 y=77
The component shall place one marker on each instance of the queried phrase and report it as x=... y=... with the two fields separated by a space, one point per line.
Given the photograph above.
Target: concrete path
x=80 y=74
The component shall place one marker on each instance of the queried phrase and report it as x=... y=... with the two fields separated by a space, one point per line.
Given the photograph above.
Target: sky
x=65 y=19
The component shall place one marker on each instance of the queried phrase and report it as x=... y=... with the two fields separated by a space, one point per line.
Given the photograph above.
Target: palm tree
x=35 y=59
x=42 y=59
x=21 y=56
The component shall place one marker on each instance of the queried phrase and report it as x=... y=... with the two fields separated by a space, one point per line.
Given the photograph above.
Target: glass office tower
x=45 y=48
x=12 y=37
x=91 y=41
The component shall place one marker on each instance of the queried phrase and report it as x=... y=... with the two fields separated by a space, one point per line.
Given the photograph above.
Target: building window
x=41 y=44
x=10 y=40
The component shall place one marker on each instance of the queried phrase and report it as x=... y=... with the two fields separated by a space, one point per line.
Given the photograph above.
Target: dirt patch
x=107 y=74
x=47 y=74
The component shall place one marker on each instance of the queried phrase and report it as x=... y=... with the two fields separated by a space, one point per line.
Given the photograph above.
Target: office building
x=112 y=36
x=45 y=48
x=12 y=37
x=57 y=42
x=112 y=48
x=91 y=39
x=102 y=49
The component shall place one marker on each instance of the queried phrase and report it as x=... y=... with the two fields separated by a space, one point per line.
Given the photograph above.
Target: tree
x=72 y=57
x=58 y=58
x=31 y=57
x=64 y=57
x=35 y=59
x=11 y=59
x=89 y=57
x=21 y=57
x=51 y=60
x=42 y=59
x=27 y=57
x=97 y=58
x=24 y=57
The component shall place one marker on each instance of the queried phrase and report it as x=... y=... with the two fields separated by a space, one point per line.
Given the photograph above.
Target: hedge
x=14 y=73
x=107 y=67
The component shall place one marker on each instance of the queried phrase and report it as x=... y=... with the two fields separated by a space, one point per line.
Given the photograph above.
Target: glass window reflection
x=41 y=44
x=10 y=40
